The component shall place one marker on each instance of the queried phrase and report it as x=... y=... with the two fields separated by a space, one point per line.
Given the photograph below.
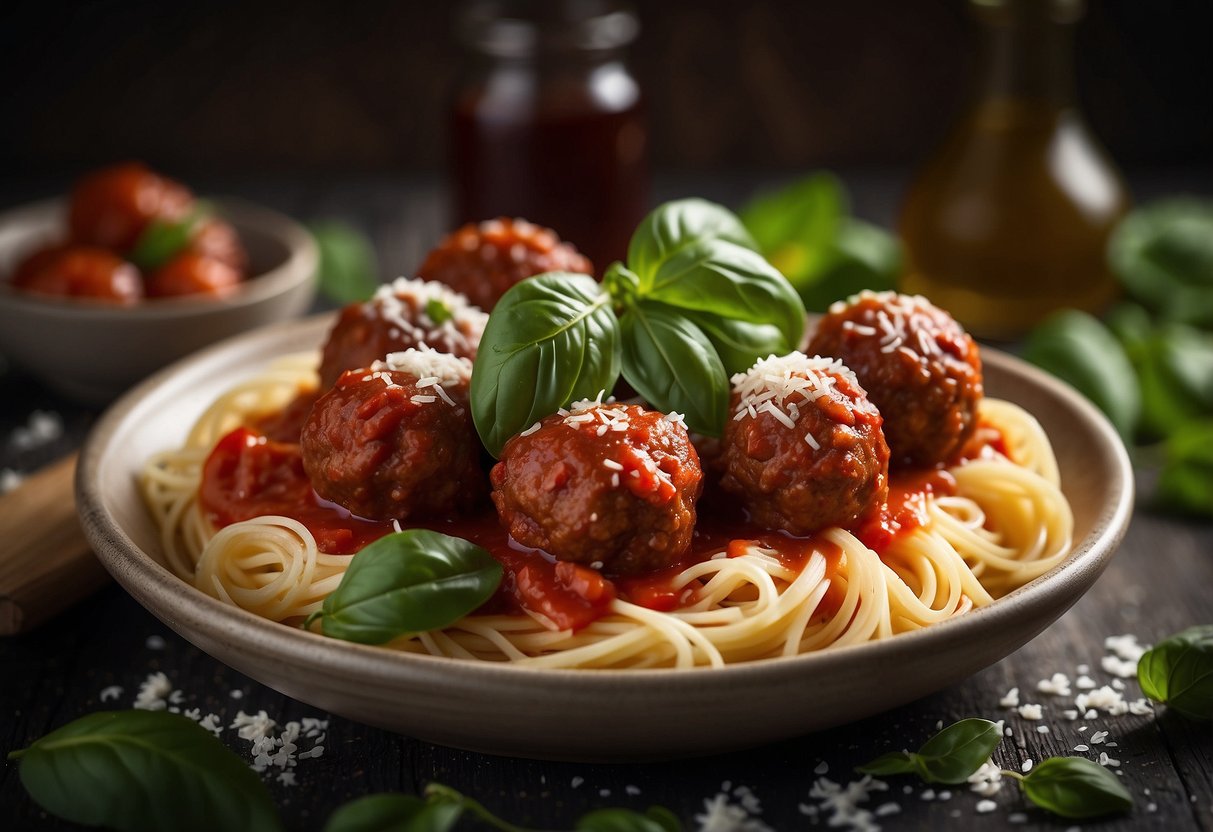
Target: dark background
x=235 y=88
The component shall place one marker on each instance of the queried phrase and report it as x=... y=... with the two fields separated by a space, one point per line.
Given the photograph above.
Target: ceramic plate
x=583 y=715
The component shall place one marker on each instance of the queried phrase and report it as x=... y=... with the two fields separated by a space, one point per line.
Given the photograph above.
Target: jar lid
x=521 y=29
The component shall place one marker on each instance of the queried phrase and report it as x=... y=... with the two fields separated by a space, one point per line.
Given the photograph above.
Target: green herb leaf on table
x=162 y=240
x=1185 y=482
x=674 y=225
x=1178 y=672
x=1082 y=352
x=654 y=819
x=1075 y=787
x=409 y=582
x=1175 y=368
x=669 y=360
x=951 y=756
x=805 y=231
x=144 y=770
x=552 y=339
x=394 y=813
x=1163 y=254
x=348 y=270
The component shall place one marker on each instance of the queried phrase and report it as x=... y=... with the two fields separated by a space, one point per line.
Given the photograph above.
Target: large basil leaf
x=1175 y=366
x=725 y=279
x=394 y=813
x=655 y=819
x=674 y=366
x=551 y=339
x=144 y=770
x=1075 y=787
x=1163 y=253
x=740 y=343
x=1178 y=672
x=1082 y=352
x=674 y=225
x=408 y=582
x=951 y=756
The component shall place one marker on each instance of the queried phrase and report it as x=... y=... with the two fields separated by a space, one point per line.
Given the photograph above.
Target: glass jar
x=548 y=123
x=1010 y=219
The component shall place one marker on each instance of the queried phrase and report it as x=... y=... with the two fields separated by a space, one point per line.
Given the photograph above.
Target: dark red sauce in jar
x=249 y=474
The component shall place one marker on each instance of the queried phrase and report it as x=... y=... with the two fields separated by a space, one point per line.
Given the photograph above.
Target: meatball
x=396 y=441
x=80 y=272
x=483 y=261
x=399 y=316
x=217 y=239
x=804 y=450
x=111 y=207
x=190 y=273
x=609 y=485
x=918 y=366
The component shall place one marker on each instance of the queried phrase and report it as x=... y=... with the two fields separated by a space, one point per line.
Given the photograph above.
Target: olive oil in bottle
x=1010 y=220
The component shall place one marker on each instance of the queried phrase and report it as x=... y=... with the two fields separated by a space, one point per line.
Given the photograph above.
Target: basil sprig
x=1074 y=787
x=162 y=240
x=951 y=756
x=348 y=271
x=409 y=582
x=137 y=770
x=694 y=303
x=390 y=812
x=551 y=339
x=1178 y=672
x=654 y=819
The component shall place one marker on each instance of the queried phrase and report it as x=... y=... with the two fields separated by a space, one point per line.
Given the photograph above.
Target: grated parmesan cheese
x=404 y=304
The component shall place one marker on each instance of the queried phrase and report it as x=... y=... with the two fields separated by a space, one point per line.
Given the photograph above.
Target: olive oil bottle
x=1010 y=220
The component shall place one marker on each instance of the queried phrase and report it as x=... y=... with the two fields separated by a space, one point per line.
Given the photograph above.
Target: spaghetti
x=1001 y=522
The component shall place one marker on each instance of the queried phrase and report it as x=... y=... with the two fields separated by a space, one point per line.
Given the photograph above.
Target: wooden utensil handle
x=46 y=565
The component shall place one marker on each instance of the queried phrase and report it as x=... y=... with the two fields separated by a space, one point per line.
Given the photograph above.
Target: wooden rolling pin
x=46 y=565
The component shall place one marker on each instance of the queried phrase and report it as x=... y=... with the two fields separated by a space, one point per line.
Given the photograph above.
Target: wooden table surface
x=1160 y=581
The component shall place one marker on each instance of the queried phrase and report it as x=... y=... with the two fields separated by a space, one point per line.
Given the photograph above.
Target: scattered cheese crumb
x=1031 y=711
x=987 y=780
x=822 y=768
x=1105 y=760
x=154 y=643
x=1057 y=685
x=9 y=480
x=43 y=427
x=1027 y=766
x=1011 y=700
x=986 y=806
x=1042 y=729
x=842 y=802
x=111 y=692
x=154 y=693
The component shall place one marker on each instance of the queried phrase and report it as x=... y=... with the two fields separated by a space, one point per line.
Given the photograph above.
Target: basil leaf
x=1079 y=350
x=1175 y=365
x=862 y=256
x=162 y=240
x=408 y=582
x=725 y=279
x=957 y=751
x=552 y=339
x=674 y=366
x=394 y=813
x=950 y=756
x=673 y=226
x=1185 y=482
x=1178 y=672
x=796 y=226
x=144 y=770
x=655 y=819
x=348 y=271
x=895 y=762
x=1163 y=253
x=1075 y=787
x=740 y=343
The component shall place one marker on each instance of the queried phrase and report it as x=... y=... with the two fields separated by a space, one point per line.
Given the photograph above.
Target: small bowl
x=90 y=351
x=601 y=715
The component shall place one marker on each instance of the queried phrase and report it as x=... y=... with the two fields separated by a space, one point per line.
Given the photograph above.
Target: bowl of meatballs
x=133 y=271
x=593 y=514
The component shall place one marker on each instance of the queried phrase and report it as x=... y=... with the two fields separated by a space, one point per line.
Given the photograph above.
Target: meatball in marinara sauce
x=401 y=315
x=803 y=449
x=918 y=366
x=611 y=486
x=396 y=441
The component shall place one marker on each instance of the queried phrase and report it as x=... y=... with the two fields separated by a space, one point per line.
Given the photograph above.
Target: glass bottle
x=548 y=123
x=1010 y=219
